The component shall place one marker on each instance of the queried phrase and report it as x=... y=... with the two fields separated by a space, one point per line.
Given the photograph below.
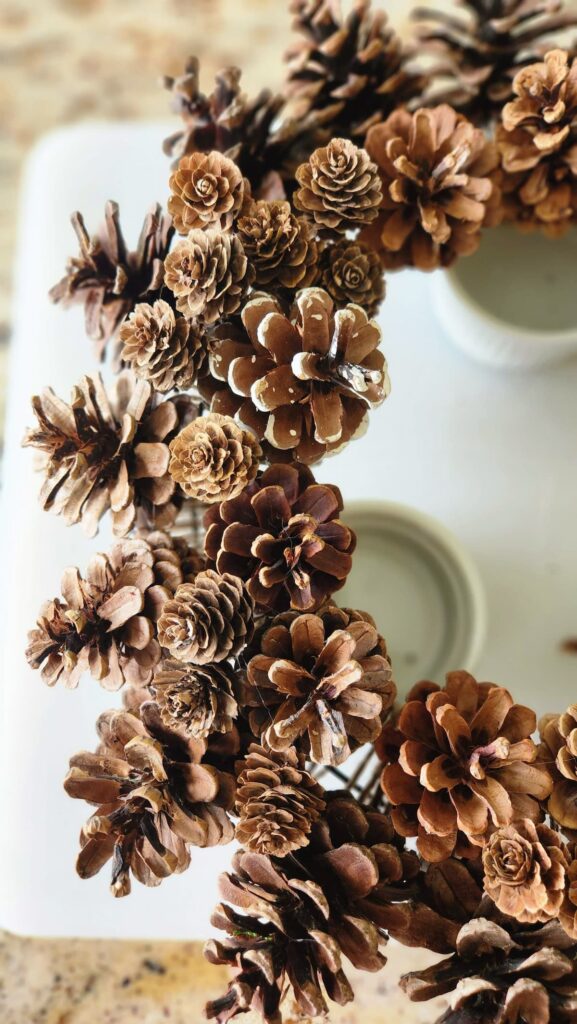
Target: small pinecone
x=436 y=173
x=156 y=795
x=175 y=561
x=213 y=459
x=103 y=453
x=283 y=537
x=302 y=382
x=208 y=620
x=545 y=104
x=277 y=801
x=325 y=678
x=208 y=190
x=352 y=273
x=209 y=274
x=108 y=278
x=460 y=760
x=558 y=755
x=525 y=871
x=568 y=909
x=195 y=699
x=162 y=348
x=339 y=186
x=280 y=246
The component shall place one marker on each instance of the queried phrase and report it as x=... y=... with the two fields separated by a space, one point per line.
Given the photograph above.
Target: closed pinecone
x=525 y=871
x=208 y=190
x=195 y=699
x=108 y=278
x=461 y=759
x=302 y=382
x=280 y=246
x=353 y=273
x=208 y=620
x=213 y=459
x=322 y=682
x=162 y=348
x=436 y=172
x=339 y=186
x=156 y=794
x=175 y=561
x=208 y=273
x=558 y=755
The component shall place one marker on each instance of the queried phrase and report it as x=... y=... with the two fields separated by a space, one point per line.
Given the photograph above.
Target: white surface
x=492 y=456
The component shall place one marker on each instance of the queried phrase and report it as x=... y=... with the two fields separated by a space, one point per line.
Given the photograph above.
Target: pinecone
x=280 y=246
x=110 y=279
x=277 y=801
x=162 y=348
x=213 y=459
x=100 y=453
x=208 y=620
x=326 y=679
x=302 y=382
x=545 y=104
x=558 y=755
x=175 y=561
x=209 y=274
x=483 y=51
x=282 y=535
x=352 y=273
x=195 y=699
x=208 y=190
x=156 y=794
x=461 y=759
x=568 y=909
x=339 y=186
x=435 y=169
x=525 y=871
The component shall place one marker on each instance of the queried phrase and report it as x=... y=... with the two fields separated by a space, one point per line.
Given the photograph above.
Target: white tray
x=492 y=456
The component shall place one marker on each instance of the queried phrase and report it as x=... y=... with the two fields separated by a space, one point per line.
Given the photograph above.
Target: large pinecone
x=339 y=187
x=209 y=274
x=106 y=622
x=207 y=620
x=526 y=870
x=483 y=49
x=325 y=678
x=195 y=699
x=108 y=277
x=436 y=171
x=282 y=535
x=162 y=348
x=460 y=760
x=304 y=382
x=213 y=459
x=280 y=246
x=156 y=794
x=558 y=755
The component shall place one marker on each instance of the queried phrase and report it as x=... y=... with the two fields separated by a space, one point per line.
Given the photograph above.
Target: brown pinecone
x=352 y=273
x=325 y=678
x=280 y=246
x=558 y=755
x=195 y=699
x=339 y=186
x=277 y=801
x=545 y=104
x=209 y=274
x=568 y=909
x=436 y=173
x=208 y=190
x=156 y=794
x=175 y=561
x=108 y=278
x=525 y=871
x=162 y=348
x=482 y=52
x=213 y=459
x=460 y=760
x=302 y=382
x=103 y=453
x=208 y=620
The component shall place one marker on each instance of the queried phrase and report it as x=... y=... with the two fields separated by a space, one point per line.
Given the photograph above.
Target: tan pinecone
x=351 y=272
x=209 y=274
x=277 y=801
x=208 y=620
x=568 y=909
x=195 y=699
x=280 y=246
x=207 y=190
x=525 y=869
x=545 y=103
x=213 y=459
x=339 y=186
x=162 y=348
x=156 y=794
x=558 y=755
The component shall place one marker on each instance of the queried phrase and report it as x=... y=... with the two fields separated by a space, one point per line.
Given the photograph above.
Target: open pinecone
x=339 y=186
x=195 y=699
x=209 y=274
x=304 y=382
x=208 y=190
x=162 y=348
x=280 y=246
x=282 y=535
x=526 y=870
x=558 y=755
x=461 y=760
x=156 y=794
x=351 y=272
x=108 y=278
x=325 y=678
x=207 y=620
x=213 y=459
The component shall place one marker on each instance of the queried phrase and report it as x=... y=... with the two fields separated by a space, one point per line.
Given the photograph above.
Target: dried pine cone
x=208 y=190
x=352 y=273
x=156 y=795
x=525 y=871
x=545 y=104
x=195 y=699
x=209 y=274
x=326 y=679
x=460 y=759
x=162 y=348
x=302 y=382
x=208 y=620
x=213 y=459
x=339 y=186
x=282 y=535
x=435 y=169
x=558 y=755
x=568 y=909
x=280 y=246
x=277 y=801
x=110 y=279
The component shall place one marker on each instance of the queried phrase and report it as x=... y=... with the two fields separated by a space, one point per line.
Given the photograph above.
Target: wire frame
x=361 y=776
